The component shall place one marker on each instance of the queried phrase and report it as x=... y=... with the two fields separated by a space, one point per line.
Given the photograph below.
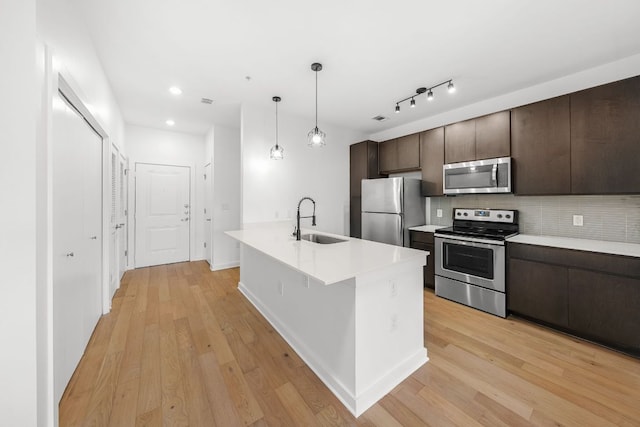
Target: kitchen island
x=352 y=310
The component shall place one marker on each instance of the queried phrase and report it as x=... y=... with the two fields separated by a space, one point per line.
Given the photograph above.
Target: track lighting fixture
x=316 y=137
x=276 y=152
x=429 y=91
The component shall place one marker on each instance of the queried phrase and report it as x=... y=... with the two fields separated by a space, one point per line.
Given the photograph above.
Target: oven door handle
x=470 y=241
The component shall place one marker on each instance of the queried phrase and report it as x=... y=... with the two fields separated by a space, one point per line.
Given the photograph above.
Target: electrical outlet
x=394 y=288
x=439 y=213
x=280 y=288
x=578 y=220
x=394 y=322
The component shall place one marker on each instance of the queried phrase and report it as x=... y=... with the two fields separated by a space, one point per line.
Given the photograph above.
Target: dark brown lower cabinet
x=538 y=290
x=424 y=241
x=591 y=295
x=605 y=307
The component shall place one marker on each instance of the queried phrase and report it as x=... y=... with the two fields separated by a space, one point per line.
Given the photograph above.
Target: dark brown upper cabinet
x=400 y=154
x=541 y=147
x=605 y=138
x=363 y=164
x=460 y=142
x=493 y=136
x=432 y=159
x=485 y=137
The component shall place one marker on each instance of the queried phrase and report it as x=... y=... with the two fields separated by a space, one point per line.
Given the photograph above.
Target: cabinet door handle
x=93 y=237
x=70 y=254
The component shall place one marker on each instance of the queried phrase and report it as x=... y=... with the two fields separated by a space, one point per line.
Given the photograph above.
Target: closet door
x=76 y=239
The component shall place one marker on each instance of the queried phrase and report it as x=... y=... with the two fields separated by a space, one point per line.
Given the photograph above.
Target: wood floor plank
x=274 y=412
x=240 y=393
x=381 y=417
x=150 y=396
x=223 y=408
x=101 y=404
x=182 y=346
x=174 y=410
x=123 y=412
x=295 y=405
x=197 y=404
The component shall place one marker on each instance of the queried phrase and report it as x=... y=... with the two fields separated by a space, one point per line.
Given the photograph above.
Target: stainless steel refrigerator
x=389 y=207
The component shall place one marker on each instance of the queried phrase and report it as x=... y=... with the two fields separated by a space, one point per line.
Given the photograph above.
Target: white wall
x=18 y=246
x=271 y=189
x=147 y=145
x=226 y=196
x=61 y=27
x=618 y=70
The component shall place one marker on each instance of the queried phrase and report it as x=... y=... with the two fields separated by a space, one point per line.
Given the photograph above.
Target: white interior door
x=77 y=238
x=123 y=228
x=208 y=209
x=162 y=216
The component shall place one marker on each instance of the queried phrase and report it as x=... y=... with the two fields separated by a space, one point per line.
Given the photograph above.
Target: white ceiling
x=374 y=53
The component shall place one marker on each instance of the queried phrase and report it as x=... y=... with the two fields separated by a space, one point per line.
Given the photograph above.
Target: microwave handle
x=494 y=173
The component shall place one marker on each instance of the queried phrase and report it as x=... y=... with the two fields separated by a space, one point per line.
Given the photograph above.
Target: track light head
x=430 y=95
x=413 y=103
x=397 y=108
x=450 y=87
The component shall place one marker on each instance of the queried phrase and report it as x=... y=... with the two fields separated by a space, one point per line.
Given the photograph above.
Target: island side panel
x=317 y=320
x=389 y=329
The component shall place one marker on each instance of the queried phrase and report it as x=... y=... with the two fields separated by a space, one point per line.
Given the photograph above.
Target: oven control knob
x=458 y=213
x=508 y=216
x=499 y=215
x=466 y=214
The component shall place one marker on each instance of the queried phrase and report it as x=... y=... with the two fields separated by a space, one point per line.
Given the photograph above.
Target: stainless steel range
x=470 y=258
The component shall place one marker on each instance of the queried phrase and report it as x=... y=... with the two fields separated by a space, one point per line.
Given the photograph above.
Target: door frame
x=208 y=212
x=124 y=212
x=194 y=209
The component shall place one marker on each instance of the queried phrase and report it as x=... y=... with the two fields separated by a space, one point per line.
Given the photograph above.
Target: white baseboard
x=217 y=267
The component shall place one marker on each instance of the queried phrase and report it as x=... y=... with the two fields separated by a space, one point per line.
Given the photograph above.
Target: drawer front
x=422 y=237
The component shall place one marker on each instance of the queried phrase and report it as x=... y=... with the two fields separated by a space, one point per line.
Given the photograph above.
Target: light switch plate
x=578 y=220
x=439 y=213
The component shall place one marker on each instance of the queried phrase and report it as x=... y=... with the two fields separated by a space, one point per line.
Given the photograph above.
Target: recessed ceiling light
x=170 y=122
x=175 y=90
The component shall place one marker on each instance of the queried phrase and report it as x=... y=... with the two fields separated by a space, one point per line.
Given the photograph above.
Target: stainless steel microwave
x=478 y=176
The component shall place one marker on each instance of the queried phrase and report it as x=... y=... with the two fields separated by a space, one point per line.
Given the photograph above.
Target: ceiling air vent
x=380 y=118
x=206 y=101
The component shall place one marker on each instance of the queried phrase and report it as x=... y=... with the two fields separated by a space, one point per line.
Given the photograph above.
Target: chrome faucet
x=296 y=232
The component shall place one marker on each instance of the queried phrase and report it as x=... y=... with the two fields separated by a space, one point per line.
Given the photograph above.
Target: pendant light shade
x=315 y=137
x=276 y=152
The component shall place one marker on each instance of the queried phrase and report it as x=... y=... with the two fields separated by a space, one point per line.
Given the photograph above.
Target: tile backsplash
x=613 y=218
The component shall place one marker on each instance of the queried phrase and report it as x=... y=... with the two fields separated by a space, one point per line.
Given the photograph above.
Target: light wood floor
x=183 y=347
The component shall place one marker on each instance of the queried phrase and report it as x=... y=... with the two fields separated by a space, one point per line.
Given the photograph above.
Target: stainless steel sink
x=321 y=239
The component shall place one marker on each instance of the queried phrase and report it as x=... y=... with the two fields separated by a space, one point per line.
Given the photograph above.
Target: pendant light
x=277 y=152
x=316 y=137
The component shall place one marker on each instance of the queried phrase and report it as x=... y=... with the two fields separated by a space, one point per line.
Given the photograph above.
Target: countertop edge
x=429 y=228
x=325 y=279
x=588 y=245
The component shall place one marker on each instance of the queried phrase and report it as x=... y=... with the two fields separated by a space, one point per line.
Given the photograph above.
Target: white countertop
x=327 y=263
x=428 y=228
x=616 y=248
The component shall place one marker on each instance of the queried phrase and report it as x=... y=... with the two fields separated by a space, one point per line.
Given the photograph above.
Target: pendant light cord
x=276 y=125
x=316 y=99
